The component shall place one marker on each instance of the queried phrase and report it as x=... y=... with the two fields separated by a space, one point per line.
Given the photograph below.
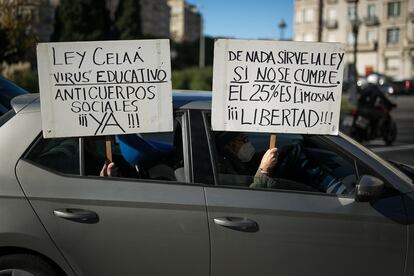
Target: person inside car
x=139 y=158
x=237 y=156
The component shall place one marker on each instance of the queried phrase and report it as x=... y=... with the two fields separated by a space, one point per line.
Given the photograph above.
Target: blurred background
x=23 y=23
x=379 y=36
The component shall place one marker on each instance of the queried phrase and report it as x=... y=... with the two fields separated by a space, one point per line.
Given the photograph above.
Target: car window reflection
x=304 y=163
x=155 y=156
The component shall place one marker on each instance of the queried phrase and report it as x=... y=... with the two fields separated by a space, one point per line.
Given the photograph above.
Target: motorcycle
x=362 y=128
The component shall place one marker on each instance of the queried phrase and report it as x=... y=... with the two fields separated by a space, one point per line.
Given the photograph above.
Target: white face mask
x=246 y=152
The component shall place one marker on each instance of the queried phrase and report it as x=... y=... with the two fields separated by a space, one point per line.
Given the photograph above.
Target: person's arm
x=386 y=101
x=261 y=178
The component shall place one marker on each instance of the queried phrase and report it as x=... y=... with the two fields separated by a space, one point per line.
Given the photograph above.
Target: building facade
x=385 y=40
x=186 y=21
x=155 y=18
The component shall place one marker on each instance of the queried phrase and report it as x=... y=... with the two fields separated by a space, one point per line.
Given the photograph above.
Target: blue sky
x=246 y=18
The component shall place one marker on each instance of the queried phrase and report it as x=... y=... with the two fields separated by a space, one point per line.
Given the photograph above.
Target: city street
x=207 y=138
x=403 y=149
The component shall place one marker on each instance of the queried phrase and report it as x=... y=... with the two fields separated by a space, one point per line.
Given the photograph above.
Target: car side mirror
x=368 y=188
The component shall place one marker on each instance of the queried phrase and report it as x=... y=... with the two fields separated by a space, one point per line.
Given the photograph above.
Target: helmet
x=373 y=78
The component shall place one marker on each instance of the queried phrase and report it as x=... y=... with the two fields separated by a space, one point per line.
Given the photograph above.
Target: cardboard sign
x=105 y=87
x=277 y=86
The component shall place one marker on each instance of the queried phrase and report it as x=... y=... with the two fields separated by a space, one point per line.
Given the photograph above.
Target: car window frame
x=359 y=163
x=197 y=151
x=184 y=114
x=5 y=117
x=383 y=163
x=335 y=147
x=186 y=128
x=211 y=145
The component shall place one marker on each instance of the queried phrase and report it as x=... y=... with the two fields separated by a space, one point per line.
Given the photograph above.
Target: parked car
x=403 y=87
x=175 y=211
x=8 y=90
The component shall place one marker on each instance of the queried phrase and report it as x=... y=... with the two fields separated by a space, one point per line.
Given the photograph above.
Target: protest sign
x=277 y=86
x=105 y=87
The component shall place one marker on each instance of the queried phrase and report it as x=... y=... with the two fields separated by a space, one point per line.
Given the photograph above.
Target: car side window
x=304 y=163
x=57 y=154
x=156 y=156
x=388 y=189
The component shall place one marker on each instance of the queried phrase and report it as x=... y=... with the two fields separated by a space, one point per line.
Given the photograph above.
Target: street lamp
x=282 y=25
x=355 y=23
x=202 y=50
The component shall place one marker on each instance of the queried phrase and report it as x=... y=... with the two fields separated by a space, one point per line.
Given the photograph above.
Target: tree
x=16 y=35
x=128 y=19
x=81 y=20
x=3 y=42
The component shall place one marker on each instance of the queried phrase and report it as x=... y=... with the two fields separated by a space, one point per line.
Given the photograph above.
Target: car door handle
x=239 y=224
x=77 y=215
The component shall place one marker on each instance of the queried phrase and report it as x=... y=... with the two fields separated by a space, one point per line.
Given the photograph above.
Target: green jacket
x=263 y=181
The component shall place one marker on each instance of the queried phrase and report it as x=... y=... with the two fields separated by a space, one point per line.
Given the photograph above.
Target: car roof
x=182 y=99
x=9 y=90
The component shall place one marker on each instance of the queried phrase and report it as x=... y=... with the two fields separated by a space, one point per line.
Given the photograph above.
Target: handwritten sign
x=277 y=86
x=105 y=87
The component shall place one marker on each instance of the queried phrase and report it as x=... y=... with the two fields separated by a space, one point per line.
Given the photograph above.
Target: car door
x=294 y=232
x=153 y=224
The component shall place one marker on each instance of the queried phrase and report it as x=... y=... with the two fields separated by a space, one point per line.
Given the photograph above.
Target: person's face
x=241 y=147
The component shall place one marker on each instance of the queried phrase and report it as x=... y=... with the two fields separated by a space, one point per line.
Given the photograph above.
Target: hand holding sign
x=269 y=161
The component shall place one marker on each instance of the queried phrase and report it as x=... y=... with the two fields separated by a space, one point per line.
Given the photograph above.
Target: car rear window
x=6 y=117
x=154 y=156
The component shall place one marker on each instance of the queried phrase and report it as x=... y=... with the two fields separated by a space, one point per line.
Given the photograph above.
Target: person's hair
x=224 y=137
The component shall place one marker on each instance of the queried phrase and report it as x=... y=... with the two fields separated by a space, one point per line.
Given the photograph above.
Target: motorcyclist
x=372 y=99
